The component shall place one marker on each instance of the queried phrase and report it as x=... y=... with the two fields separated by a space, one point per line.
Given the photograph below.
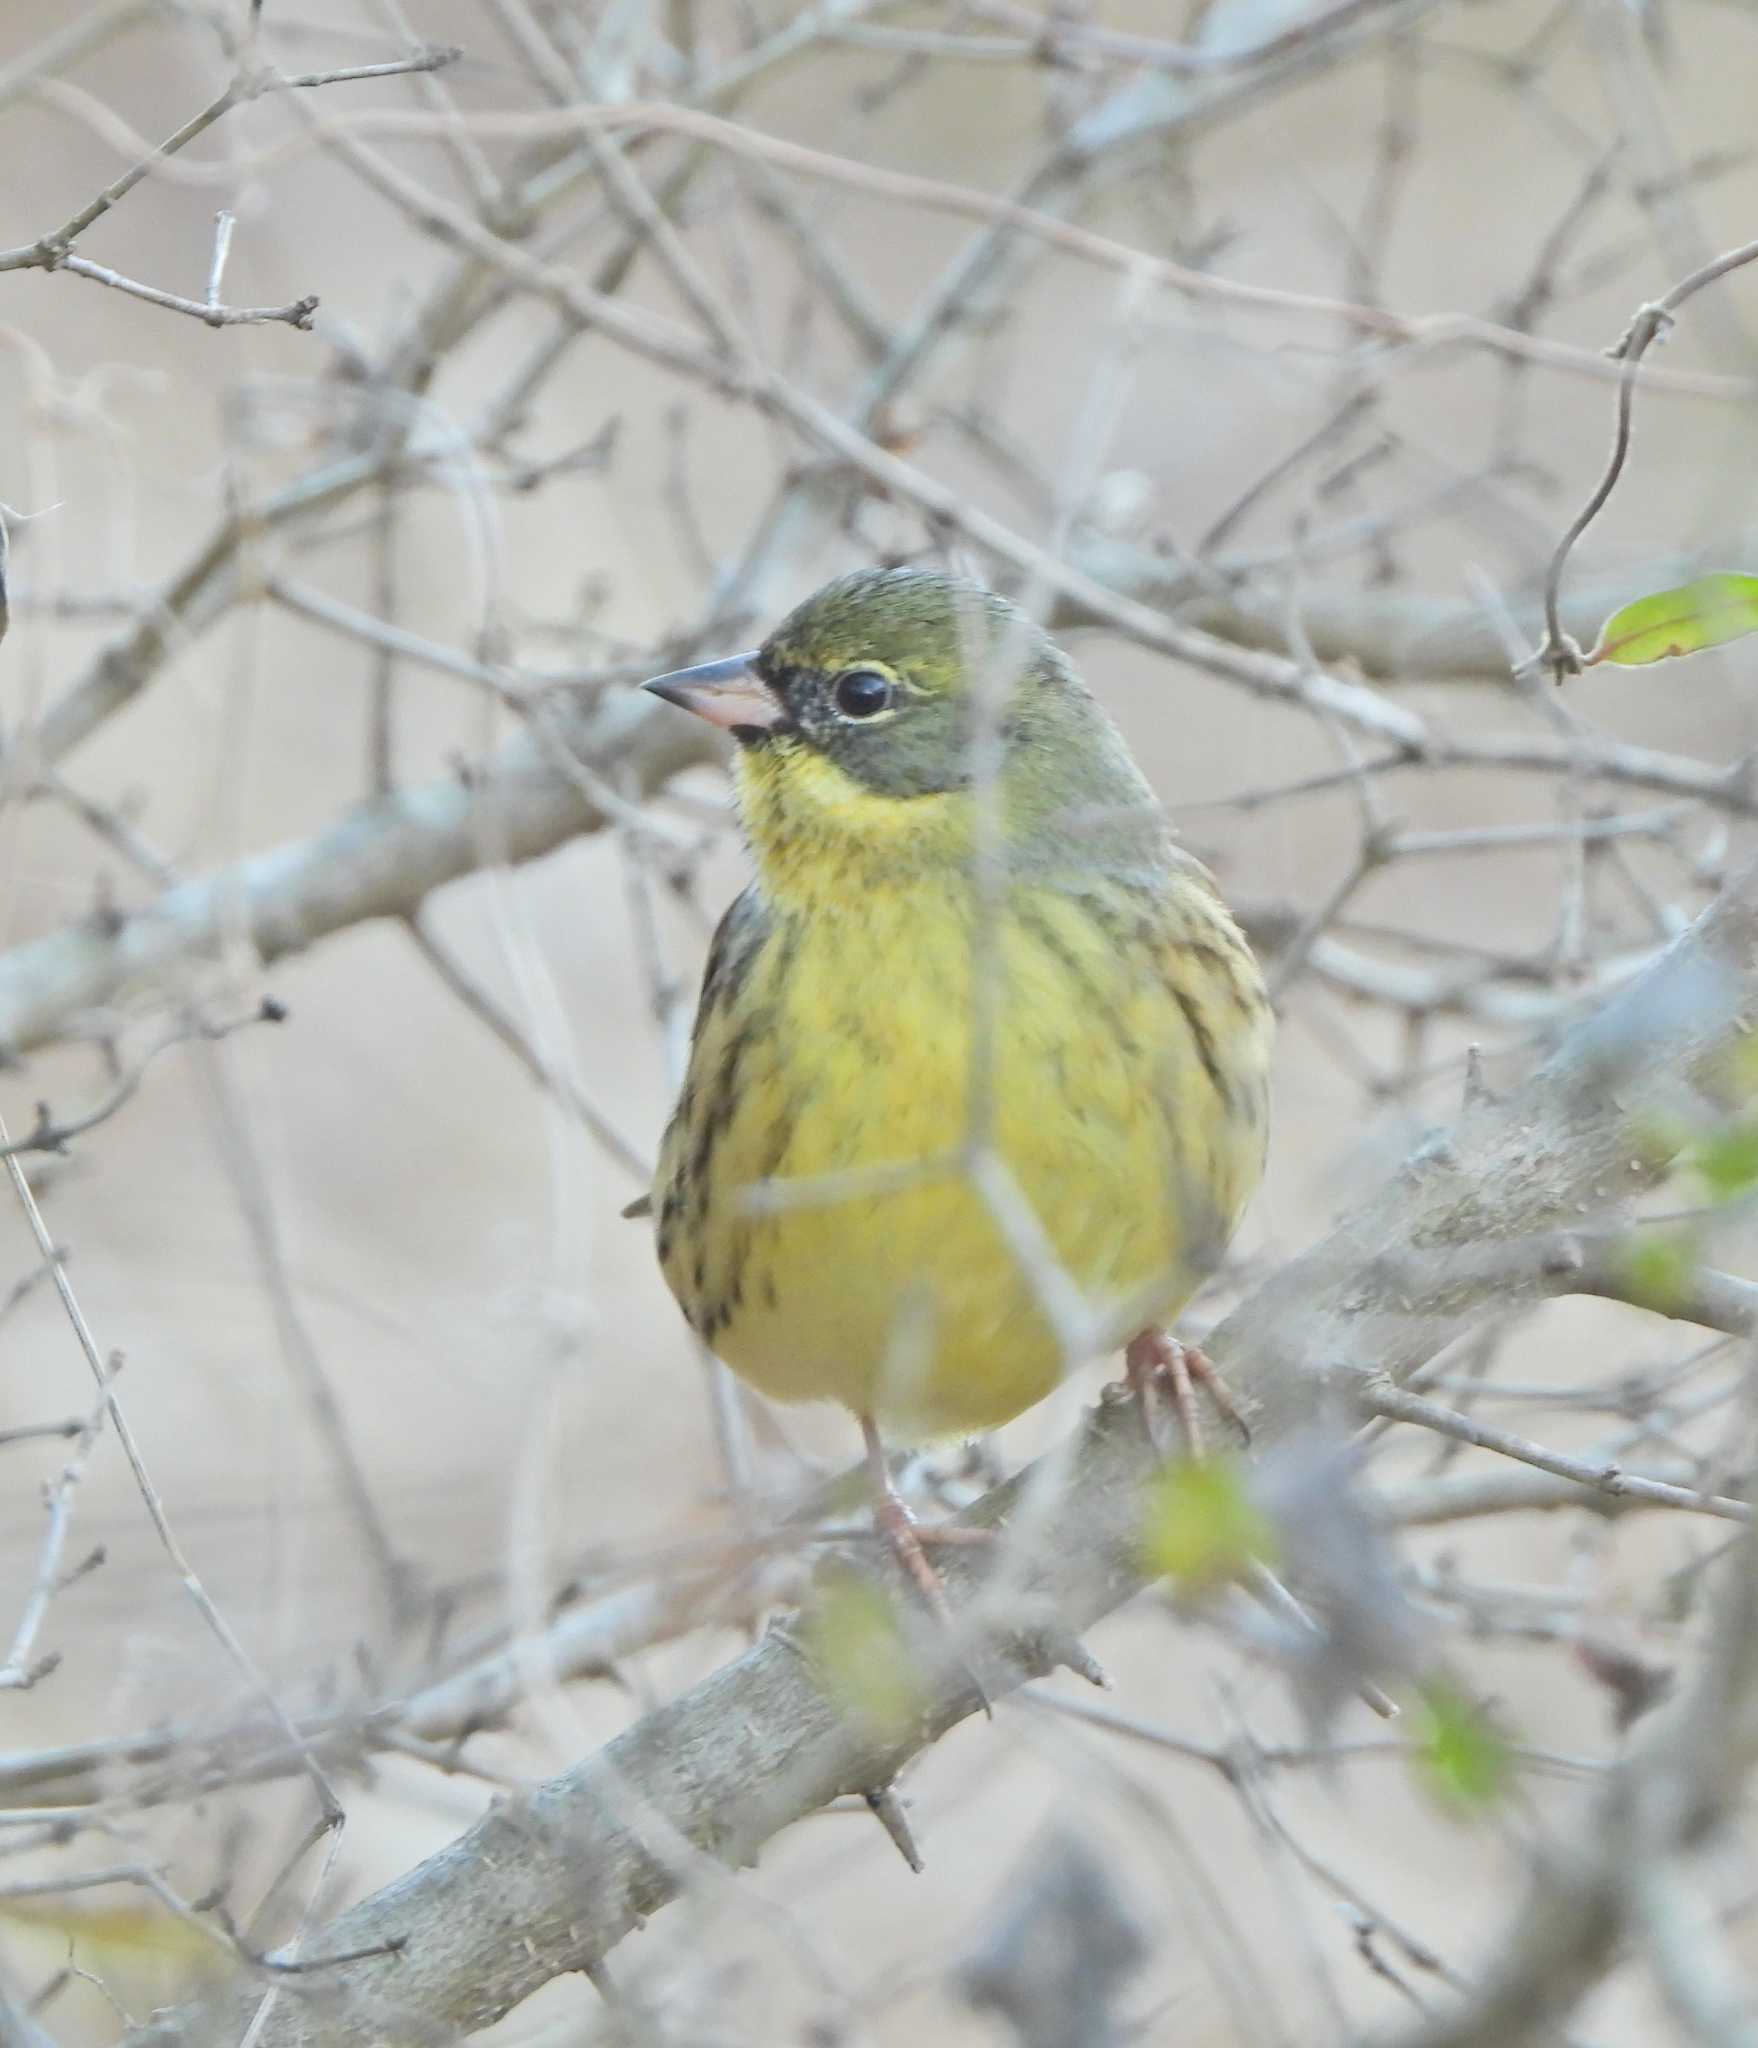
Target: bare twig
x=217 y=1623
x=55 y=251
x=1397 y=1404
x=51 y=1133
x=1559 y=652
x=380 y=862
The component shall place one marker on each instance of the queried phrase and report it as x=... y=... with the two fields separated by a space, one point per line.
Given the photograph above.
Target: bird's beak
x=729 y=693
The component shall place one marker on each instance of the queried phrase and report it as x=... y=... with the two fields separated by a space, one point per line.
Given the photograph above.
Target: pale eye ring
x=862 y=693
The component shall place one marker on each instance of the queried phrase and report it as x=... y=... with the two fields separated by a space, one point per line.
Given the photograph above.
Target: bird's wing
x=736 y=938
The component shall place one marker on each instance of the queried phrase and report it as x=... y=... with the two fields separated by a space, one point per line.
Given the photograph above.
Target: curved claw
x=1152 y=1361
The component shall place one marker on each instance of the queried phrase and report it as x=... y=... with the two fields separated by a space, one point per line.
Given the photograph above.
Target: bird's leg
x=898 y=1525
x=899 y=1528
x=1151 y=1360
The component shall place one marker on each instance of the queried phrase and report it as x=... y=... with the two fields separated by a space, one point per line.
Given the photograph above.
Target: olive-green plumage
x=977 y=1087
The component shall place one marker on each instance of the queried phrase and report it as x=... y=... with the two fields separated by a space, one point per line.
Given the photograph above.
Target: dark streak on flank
x=1101 y=1002
x=1203 y=1039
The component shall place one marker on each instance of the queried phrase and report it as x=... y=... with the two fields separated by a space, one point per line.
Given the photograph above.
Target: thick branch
x=550 y=1882
x=380 y=860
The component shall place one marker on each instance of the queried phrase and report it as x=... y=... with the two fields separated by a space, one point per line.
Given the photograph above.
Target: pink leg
x=899 y=1528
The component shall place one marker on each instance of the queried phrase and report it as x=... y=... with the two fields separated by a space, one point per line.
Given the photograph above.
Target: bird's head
x=866 y=718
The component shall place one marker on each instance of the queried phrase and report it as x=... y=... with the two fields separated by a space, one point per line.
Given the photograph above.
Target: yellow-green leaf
x=1736 y=1071
x=1727 y=1160
x=1708 y=613
x=854 y=1638
x=1202 y=1526
x=1657 y=1269
x=1459 y=1756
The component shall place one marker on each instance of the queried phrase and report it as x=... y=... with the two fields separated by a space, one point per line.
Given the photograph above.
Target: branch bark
x=379 y=860
x=551 y=1881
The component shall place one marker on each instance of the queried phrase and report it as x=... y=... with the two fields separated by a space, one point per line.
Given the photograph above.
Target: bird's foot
x=907 y=1540
x=1156 y=1364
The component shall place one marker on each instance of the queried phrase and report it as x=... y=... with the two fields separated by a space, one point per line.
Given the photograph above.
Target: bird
x=978 y=1084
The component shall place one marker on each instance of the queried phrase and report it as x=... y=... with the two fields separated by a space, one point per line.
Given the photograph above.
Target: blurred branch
x=380 y=860
x=891 y=413
x=21 y=1669
x=384 y=859
x=584 y=1858
x=591 y=1640
x=19 y=2030
x=1425 y=333
x=1681 y=1778
x=1398 y=1404
x=1394 y=635
x=208 y=583
x=201 y=591
x=1372 y=631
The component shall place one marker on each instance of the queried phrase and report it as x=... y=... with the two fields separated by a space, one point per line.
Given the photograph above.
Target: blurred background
x=639 y=318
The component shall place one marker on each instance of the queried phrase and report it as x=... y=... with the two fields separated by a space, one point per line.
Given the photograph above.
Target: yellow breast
x=923 y=1176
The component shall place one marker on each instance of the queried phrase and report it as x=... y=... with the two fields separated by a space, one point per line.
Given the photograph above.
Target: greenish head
x=885 y=672
x=890 y=678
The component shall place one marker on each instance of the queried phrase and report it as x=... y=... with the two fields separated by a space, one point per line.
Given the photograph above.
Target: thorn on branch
x=1058 y=1649
x=888 y=1810
x=597 y=1974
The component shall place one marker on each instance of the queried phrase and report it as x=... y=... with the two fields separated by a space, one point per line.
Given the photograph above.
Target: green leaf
x=854 y=1638
x=1739 y=1067
x=1708 y=613
x=1657 y=1269
x=1727 y=1160
x=1202 y=1526
x=1460 y=1758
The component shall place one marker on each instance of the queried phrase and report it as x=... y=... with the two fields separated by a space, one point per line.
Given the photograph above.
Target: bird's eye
x=862 y=693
